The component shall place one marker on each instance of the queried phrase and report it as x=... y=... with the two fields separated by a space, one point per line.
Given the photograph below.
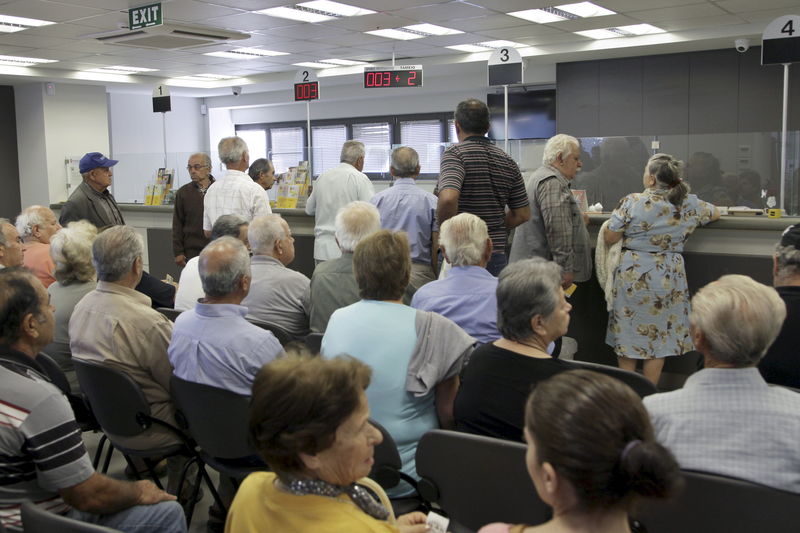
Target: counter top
x=726 y=222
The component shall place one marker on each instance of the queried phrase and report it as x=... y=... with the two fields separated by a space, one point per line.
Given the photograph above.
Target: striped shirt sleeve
x=451 y=175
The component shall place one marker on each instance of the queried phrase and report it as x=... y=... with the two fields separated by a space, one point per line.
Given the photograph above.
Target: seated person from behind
x=726 y=419
x=278 y=295
x=190 y=288
x=332 y=284
x=309 y=420
x=531 y=313
x=213 y=344
x=36 y=225
x=415 y=355
x=40 y=437
x=467 y=295
x=591 y=451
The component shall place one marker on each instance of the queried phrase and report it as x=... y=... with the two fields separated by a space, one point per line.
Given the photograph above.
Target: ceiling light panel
x=120 y=69
x=344 y=62
x=641 y=29
x=399 y=34
x=540 y=16
x=9 y=24
x=469 y=48
x=206 y=77
x=295 y=14
x=314 y=64
x=246 y=53
x=599 y=34
x=432 y=29
x=586 y=9
x=502 y=44
x=335 y=8
x=316 y=11
x=18 y=61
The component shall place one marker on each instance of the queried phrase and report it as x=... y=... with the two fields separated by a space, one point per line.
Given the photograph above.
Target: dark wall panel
x=760 y=94
x=577 y=100
x=619 y=96
x=665 y=87
x=9 y=162
x=713 y=91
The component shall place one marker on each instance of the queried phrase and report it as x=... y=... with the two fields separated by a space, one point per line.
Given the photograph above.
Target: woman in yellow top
x=309 y=419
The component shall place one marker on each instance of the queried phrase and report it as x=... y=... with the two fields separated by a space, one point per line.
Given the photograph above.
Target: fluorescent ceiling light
x=206 y=77
x=502 y=44
x=641 y=29
x=295 y=14
x=585 y=9
x=17 y=61
x=344 y=62
x=396 y=34
x=120 y=69
x=102 y=76
x=342 y=10
x=9 y=24
x=599 y=34
x=432 y=29
x=469 y=48
x=314 y=64
x=537 y=15
x=246 y=53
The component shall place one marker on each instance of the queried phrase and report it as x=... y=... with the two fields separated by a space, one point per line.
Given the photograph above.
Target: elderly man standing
x=781 y=364
x=333 y=284
x=278 y=295
x=478 y=177
x=187 y=216
x=10 y=245
x=115 y=324
x=557 y=230
x=36 y=224
x=726 y=419
x=40 y=438
x=91 y=200
x=213 y=344
x=467 y=295
x=406 y=207
x=333 y=190
x=235 y=193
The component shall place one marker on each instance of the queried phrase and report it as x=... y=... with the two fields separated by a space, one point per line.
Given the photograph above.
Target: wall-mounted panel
x=577 y=100
x=665 y=100
x=619 y=96
x=713 y=91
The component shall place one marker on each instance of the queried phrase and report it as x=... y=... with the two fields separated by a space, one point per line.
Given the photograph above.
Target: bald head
x=224 y=267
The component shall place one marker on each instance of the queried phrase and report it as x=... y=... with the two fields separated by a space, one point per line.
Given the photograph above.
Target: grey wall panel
x=665 y=101
x=713 y=91
x=619 y=96
x=9 y=162
x=576 y=98
x=760 y=93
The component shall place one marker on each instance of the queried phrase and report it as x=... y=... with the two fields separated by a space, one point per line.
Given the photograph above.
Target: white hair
x=264 y=231
x=30 y=217
x=71 y=251
x=231 y=150
x=405 y=162
x=355 y=221
x=114 y=252
x=221 y=276
x=351 y=151
x=463 y=238
x=559 y=144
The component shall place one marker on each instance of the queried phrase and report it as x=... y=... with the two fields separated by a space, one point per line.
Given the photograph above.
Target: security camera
x=742 y=45
x=236 y=90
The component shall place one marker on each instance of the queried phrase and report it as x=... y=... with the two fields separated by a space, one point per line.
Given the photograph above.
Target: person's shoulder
x=662 y=402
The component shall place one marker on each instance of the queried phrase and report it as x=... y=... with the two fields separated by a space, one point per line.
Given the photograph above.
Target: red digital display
x=306 y=91
x=392 y=78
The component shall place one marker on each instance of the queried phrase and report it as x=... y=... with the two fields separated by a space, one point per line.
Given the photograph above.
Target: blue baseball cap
x=94 y=160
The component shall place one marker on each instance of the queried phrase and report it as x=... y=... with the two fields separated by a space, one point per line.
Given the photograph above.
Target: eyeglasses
x=195 y=167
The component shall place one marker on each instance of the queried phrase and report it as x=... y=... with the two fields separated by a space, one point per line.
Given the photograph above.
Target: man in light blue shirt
x=406 y=207
x=213 y=344
x=467 y=295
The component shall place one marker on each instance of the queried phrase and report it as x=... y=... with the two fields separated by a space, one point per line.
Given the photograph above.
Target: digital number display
x=392 y=78
x=306 y=91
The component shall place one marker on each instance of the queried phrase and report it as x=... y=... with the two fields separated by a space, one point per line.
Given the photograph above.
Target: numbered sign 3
x=781 y=41
x=505 y=67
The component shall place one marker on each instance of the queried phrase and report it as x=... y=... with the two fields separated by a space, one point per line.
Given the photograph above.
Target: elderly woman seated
x=531 y=313
x=415 y=355
x=309 y=419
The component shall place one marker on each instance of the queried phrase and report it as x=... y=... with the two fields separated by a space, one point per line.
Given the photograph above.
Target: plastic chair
x=477 y=480
x=718 y=503
x=283 y=336
x=640 y=384
x=386 y=472
x=122 y=410
x=169 y=312
x=38 y=520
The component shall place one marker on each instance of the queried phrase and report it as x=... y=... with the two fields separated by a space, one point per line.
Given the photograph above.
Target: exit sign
x=145 y=16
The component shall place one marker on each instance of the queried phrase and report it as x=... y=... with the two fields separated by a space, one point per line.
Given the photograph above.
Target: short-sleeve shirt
x=487 y=179
x=406 y=207
x=234 y=194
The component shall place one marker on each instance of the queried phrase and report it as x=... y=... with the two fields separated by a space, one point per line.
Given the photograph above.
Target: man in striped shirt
x=43 y=457
x=479 y=178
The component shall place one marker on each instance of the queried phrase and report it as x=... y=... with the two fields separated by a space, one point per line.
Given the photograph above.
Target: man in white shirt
x=235 y=193
x=333 y=190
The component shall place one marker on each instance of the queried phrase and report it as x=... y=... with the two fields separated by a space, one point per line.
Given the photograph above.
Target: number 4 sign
x=781 y=41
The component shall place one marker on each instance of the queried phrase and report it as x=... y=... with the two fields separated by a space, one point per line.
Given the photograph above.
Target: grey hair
x=114 y=252
x=405 y=162
x=788 y=259
x=355 y=221
x=258 y=166
x=71 y=251
x=228 y=225
x=739 y=318
x=525 y=289
x=263 y=232
x=30 y=217
x=558 y=144
x=206 y=158
x=351 y=151
x=231 y=150
x=221 y=277
x=463 y=238
x=3 y=222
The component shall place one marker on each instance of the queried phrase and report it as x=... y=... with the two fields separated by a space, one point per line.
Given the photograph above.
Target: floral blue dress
x=650 y=315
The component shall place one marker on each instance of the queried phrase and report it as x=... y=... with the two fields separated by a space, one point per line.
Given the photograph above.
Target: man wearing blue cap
x=91 y=200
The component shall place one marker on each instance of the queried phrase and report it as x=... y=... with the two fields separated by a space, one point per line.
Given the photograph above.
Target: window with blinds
x=377 y=139
x=451 y=129
x=287 y=147
x=327 y=144
x=256 y=142
x=424 y=136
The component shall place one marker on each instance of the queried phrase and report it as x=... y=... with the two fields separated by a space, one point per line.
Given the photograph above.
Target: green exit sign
x=145 y=16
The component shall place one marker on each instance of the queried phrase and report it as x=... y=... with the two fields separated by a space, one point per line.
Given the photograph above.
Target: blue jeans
x=164 y=517
x=497 y=263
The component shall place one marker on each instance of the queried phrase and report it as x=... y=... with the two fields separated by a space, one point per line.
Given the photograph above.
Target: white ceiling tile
x=196 y=12
x=67 y=31
x=621 y=6
x=492 y=22
x=690 y=24
x=249 y=22
x=748 y=6
x=250 y=5
x=514 y=34
x=32 y=41
x=55 y=12
x=449 y=11
x=592 y=23
x=506 y=6
x=392 y=5
x=370 y=22
x=654 y=16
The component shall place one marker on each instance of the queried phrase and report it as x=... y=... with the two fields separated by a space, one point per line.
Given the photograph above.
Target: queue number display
x=306 y=91
x=409 y=76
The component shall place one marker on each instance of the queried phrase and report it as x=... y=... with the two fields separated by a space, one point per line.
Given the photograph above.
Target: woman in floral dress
x=650 y=315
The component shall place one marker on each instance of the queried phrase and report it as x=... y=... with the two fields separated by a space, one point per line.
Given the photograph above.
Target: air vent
x=172 y=37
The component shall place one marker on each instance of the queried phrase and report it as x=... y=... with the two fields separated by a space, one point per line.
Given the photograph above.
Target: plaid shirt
x=234 y=194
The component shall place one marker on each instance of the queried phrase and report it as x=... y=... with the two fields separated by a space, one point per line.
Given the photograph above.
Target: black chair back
x=283 y=336
x=314 y=342
x=37 y=520
x=711 y=503
x=54 y=372
x=216 y=418
x=640 y=384
x=169 y=312
x=386 y=468
x=477 y=480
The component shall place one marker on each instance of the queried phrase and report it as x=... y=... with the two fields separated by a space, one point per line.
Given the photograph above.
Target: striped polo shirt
x=488 y=180
x=41 y=450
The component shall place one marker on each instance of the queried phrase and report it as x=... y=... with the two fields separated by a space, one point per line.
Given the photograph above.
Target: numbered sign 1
x=781 y=41
x=306 y=86
x=161 y=101
x=505 y=67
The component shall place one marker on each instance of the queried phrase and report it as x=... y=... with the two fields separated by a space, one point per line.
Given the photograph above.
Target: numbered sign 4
x=781 y=41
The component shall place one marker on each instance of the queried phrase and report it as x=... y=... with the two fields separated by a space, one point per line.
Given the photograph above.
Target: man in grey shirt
x=91 y=200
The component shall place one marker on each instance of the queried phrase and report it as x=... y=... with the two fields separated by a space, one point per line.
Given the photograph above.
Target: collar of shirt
x=472 y=271
x=748 y=376
x=266 y=260
x=405 y=181
x=231 y=174
x=89 y=190
x=115 y=288
x=220 y=310
x=479 y=138
x=197 y=185
x=20 y=359
x=557 y=173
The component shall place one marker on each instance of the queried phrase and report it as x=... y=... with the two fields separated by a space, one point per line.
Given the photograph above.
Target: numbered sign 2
x=781 y=41
x=306 y=85
x=505 y=67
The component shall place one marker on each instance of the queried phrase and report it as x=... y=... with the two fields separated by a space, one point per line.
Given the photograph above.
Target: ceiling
x=689 y=25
